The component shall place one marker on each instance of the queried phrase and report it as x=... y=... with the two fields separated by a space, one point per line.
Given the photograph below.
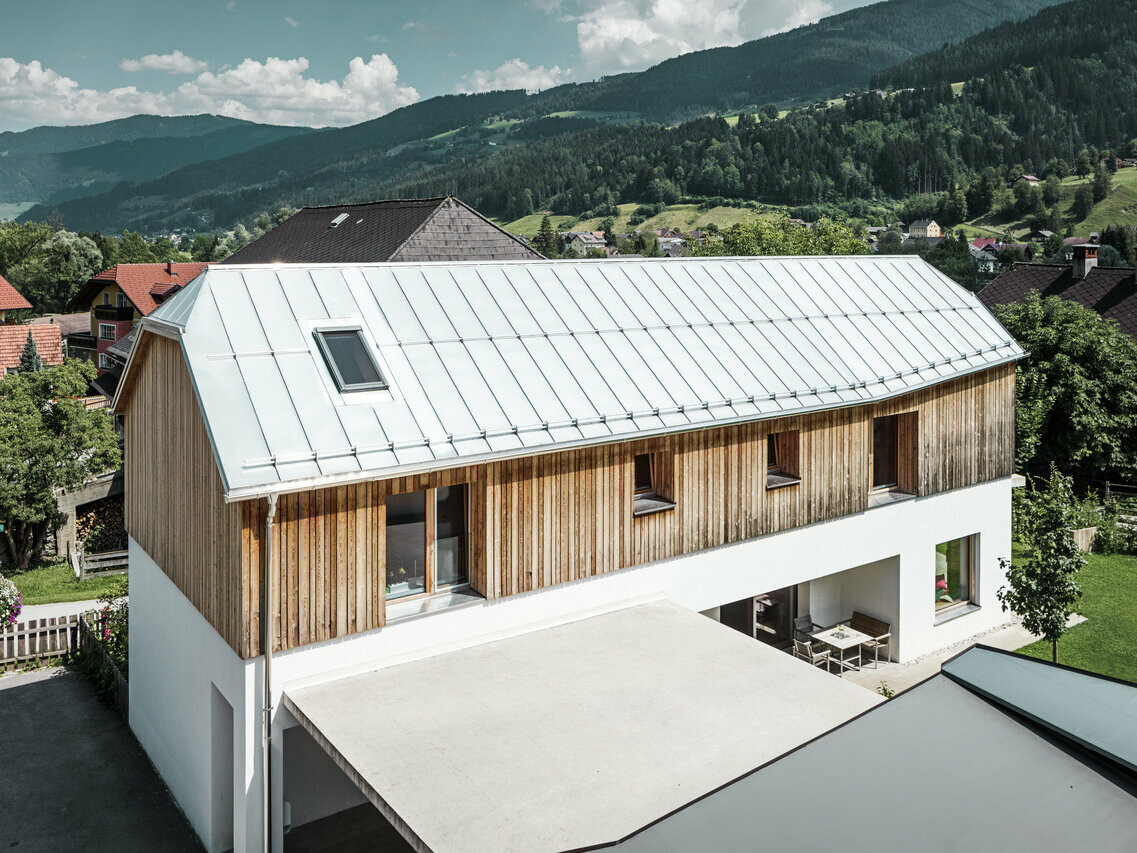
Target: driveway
x=72 y=776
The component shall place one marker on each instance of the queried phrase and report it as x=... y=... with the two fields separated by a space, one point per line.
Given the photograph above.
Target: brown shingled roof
x=10 y=298
x=1111 y=291
x=13 y=338
x=375 y=232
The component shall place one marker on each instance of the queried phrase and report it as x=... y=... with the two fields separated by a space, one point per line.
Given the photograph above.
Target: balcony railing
x=114 y=313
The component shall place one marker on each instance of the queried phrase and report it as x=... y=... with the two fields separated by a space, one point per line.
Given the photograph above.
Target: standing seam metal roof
x=509 y=358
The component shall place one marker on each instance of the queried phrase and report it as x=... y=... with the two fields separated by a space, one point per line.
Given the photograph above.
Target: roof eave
x=348 y=478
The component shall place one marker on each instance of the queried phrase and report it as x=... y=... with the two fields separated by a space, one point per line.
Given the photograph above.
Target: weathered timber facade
x=535 y=521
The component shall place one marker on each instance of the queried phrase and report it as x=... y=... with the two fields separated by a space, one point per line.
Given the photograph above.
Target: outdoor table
x=841 y=638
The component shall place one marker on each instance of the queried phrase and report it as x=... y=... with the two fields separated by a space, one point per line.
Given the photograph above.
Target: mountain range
x=212 y=178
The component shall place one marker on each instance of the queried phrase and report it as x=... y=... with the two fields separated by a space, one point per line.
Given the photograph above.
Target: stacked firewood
x=99 y=526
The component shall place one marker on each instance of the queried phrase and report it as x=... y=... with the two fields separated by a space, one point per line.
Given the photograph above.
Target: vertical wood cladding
x=534 y=522
x=174 y=502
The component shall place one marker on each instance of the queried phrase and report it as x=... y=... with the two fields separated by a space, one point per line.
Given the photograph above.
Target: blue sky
x=337 y=62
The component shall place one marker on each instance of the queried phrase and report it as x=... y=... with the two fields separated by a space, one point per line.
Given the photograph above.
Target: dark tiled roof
x=375 y=232
x=1111 y=291
x=69 y=324
x=120 y=349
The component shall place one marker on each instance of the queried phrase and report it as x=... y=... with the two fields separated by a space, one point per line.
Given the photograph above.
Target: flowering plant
x=10 y=602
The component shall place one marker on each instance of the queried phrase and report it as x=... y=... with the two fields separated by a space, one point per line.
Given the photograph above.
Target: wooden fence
x=38 y=638
x=90 y=644
x=95 y=565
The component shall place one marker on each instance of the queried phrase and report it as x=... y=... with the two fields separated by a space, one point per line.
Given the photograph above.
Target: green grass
x=55 y=583
x=1117 y=208
x=685 y=217
x=1106 y=642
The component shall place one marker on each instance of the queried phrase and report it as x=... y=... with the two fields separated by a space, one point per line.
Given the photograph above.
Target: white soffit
x=559 y=736
x=505 y=358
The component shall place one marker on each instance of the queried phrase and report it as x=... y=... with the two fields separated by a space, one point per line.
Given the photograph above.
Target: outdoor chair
x=804 y=626
x=806 y=651
x=878 y=629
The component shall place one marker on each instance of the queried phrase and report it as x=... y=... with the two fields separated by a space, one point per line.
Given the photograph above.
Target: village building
x=580 y=242
x=528 y=539
x=11 y=300
x=14 y=337
x=401 y=230
x=1110 y=291
x=924 y=228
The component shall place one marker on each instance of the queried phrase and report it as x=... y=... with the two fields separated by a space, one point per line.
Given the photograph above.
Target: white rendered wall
x=176 y=658
x=179 y=655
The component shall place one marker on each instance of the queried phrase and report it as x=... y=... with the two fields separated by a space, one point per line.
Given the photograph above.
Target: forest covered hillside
x=366 y=160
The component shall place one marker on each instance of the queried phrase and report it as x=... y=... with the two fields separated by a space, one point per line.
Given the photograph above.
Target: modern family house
x=430 y=542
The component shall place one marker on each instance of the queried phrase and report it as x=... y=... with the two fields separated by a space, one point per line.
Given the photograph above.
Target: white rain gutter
x=266 y=711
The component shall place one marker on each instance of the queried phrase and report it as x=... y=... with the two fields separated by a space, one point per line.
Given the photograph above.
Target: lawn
x=685 y=217
x=56 y=583
x=1107 y=641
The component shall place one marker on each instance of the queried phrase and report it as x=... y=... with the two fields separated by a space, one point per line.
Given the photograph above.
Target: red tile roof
x=10 y=298
x=46 y=336
x=1111 y=291
x=140 y=282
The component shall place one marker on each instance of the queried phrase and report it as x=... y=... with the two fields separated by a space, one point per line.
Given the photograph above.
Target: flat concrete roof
x=573 y=735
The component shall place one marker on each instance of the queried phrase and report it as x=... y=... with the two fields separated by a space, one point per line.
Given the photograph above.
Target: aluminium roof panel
x=498 y=357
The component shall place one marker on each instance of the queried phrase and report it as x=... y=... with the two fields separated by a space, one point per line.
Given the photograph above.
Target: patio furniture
x=879 y=632
x=804 y=649
x=841 y=639
x=804 y=626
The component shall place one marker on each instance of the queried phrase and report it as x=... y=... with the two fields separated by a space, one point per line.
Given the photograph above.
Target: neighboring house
x=1033 y=180
x=119 y=297
x=114 y=358
x=1111 y=291
x=580 y=242
x=1050 y=754
x=10 y=300
x=13 y=338
x=986 y=261
x=432 y=229
x=72 y=328
x=471 y=511
x=987 y=243
x=923 y=228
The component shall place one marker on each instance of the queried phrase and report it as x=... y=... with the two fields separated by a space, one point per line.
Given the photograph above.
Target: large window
x=955 y=572
x=885 y=462
x=427 y=544
x=349 y=360
x=106 y=332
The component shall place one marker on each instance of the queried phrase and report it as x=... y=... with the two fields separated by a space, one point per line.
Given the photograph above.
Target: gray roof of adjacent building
x=496 y=360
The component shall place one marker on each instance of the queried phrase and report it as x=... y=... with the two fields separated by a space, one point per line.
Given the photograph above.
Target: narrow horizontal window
x=350 y=361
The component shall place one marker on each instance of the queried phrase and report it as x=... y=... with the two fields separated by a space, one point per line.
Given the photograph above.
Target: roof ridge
x=435 y=199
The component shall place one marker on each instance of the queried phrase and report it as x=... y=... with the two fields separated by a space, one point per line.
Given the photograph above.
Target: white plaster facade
x=881 y=561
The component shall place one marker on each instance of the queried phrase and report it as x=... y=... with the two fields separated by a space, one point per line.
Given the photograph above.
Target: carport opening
x=221 y=721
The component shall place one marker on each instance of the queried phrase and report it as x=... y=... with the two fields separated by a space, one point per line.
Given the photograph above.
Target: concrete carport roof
x=571 y=735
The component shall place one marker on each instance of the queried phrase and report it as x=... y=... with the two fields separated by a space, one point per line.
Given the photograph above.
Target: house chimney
x=169 y=267
x=1085 y=259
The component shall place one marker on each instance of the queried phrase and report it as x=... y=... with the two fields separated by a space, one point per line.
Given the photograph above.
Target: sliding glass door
x=427 y=541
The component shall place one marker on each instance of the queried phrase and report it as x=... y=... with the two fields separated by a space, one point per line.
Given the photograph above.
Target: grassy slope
x=681 y=216
x=55 y=583
x=1107 y=641
x=1118 y=208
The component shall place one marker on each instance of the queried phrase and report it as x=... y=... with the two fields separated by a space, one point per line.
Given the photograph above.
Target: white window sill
x=399 y=610
x=651 y=504
x=888 y=496
x=950 y=613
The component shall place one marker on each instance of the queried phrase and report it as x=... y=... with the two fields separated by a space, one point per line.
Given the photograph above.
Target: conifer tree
x=30 y=361
x=547 y=241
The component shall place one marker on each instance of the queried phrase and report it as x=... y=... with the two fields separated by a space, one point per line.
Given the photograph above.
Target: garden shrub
x=10 y=602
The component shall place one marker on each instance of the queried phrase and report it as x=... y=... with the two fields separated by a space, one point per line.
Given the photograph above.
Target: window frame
x=106 y=362
x=942 y=614
x=430 y=554
x=329 y=360
x=783 y=472
x=113 y=336
x=656 y=498
x=121 y=300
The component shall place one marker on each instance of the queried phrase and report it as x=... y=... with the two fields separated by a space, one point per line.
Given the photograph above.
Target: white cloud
x=172 y=63
x=292 y=22
x=231 y=6
x=413 y=25
x=627 y=35
x=514 y=74
x=276 y=91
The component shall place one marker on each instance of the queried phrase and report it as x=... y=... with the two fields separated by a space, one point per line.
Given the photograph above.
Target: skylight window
x=349 y=359
x=338 y=220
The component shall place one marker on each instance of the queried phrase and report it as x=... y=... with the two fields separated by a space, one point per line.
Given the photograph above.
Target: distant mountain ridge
x=347 y=164
x=51 y=139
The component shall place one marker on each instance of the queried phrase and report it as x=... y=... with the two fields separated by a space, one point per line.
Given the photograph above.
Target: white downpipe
x=266 y=710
